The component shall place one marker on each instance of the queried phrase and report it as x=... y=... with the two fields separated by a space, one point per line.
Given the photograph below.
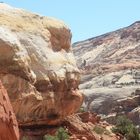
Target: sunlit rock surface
x=37 y=67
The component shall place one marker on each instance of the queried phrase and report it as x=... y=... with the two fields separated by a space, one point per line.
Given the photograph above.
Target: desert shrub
x=125 y=127
x=24 y=138
x=61 y=134
x=100 y=130
x=49 y=137
x=81 y=110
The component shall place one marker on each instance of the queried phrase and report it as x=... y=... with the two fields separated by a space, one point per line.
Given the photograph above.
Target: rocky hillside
x=39 y=72
x=110 y=66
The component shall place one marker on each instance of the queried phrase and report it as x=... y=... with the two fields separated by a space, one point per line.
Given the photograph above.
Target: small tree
x=125 y=127
x=61 y=134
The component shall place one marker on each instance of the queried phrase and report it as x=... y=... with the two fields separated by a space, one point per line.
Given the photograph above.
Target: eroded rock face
x=37 y=67
x=8 y=123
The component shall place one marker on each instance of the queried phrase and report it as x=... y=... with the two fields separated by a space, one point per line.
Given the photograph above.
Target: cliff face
x=39 y=72
x=110 y=66
x=8 y=124
x=37 y=67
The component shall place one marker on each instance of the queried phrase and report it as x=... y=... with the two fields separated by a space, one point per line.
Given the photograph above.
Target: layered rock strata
x=110 y=66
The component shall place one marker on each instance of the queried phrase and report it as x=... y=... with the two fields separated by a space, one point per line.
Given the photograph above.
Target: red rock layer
x=8 y=124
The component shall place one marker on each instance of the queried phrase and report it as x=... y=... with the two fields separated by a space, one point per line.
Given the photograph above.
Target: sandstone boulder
x=37 y=67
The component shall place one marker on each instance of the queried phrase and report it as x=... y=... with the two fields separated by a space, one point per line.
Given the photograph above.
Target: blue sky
x=86 y=18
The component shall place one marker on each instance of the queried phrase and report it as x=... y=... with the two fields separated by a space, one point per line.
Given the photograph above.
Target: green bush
x=49 y=137
x=81 y=110
x=100 y=130
x=125 y=127
x=61 y=134
x=25 y=138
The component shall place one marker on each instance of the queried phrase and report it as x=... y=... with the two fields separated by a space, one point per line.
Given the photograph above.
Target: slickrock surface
x=110 y=66
x=8 y=123
x=37 y=67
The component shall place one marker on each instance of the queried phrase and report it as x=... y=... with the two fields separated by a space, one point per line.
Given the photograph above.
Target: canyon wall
x=110 y=67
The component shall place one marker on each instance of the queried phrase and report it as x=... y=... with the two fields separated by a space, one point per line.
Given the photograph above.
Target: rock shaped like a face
x=37 y=67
